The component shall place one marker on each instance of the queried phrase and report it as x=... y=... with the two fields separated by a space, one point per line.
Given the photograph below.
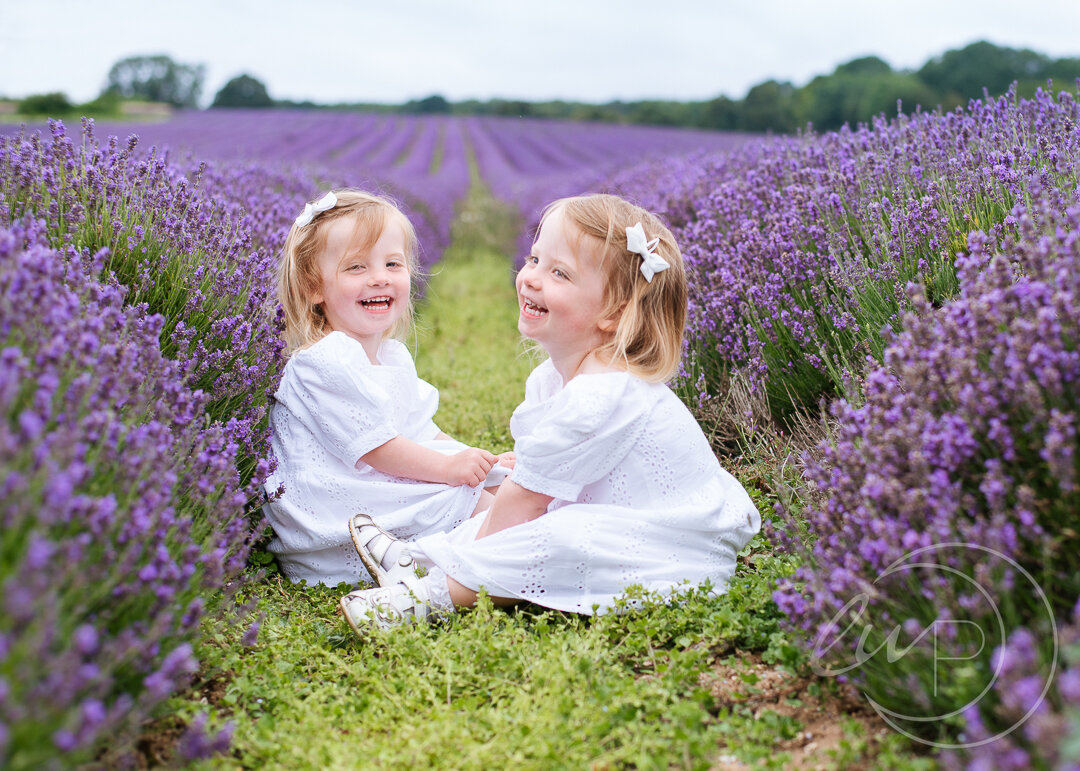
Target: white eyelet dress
x=332 y=407
x=640 y=499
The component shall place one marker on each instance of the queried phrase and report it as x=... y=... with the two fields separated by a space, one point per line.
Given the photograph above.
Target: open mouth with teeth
x=377 y=303
x=531 y=309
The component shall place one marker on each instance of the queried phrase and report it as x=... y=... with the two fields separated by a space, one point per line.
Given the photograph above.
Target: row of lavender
x=421 y=161
x=927 y=269
x=140 y=340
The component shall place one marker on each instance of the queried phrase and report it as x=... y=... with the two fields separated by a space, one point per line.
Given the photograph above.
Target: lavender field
x=422 y=161
x=886 y=317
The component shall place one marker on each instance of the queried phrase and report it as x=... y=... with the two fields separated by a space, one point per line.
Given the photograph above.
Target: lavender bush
x=531 y=163
x=800 y=249
x=121 y=506
x=1048 y=718
x=966 y=435
x=419 y=162
x=174 y=250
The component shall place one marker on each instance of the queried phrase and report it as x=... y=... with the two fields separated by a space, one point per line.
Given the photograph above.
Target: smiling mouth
x=531 y=309
x=377 y=303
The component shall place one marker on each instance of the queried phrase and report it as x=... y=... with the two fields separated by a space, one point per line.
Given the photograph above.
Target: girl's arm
x=403 y=457
x=513 y=505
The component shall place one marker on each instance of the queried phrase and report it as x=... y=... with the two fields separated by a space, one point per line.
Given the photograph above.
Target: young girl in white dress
x=614 y=484
x=351 y=423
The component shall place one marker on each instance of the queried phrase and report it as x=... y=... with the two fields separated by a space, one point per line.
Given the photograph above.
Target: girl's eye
x=559 y=273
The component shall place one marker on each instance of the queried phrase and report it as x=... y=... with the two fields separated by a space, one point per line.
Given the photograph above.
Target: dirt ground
x=822 y=707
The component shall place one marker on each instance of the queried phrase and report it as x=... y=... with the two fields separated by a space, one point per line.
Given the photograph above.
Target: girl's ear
x=611 y=322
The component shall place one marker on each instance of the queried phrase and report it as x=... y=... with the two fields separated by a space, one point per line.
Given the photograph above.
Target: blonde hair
x=651 y=315
x=299 y=278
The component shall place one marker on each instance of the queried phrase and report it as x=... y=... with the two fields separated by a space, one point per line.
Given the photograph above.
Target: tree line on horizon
x=854 y=92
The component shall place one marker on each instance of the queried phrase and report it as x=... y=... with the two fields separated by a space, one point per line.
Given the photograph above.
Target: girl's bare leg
x=486 y=499
x=464 y=597
x=513 y=505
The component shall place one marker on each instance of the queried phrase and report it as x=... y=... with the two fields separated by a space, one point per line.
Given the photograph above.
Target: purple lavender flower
x=119 y=505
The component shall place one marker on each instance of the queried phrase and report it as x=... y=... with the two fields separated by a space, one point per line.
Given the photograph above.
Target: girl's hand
x=507 y=459
x=469 y=467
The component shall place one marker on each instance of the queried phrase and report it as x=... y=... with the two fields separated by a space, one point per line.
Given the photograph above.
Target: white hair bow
x=651 y=262
x=327 y=202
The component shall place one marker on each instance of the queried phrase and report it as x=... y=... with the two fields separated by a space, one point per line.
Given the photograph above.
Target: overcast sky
x=584 y=50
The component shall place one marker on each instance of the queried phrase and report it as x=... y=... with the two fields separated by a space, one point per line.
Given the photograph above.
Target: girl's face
x=561 y=294
x=364 y=295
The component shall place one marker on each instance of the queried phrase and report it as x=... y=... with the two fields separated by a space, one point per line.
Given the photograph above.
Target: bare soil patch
x=823 y=707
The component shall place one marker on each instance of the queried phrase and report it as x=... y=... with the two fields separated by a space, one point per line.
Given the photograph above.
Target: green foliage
x=967 y=71
x=856 y=91
x=50 y=104
x=430 y=105
x=528 y=688
x=107 y=104
x=243 y=91
x=57 y=105
x=489 y=689
x=866 y=65
x=770 y=106
x=830 y=101
x=157 y=79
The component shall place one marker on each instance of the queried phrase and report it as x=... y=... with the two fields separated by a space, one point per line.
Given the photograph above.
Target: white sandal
x=372 y=543
x=404 y=602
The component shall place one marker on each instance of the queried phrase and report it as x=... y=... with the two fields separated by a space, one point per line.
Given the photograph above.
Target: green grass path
x=466 y=343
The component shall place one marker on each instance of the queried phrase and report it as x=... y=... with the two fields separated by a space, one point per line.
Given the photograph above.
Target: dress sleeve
x=420 y=421
x=590 y=427
x=427 y=405
x=327 y=388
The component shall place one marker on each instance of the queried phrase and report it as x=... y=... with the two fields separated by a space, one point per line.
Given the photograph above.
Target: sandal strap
x=372 y=544
x=378 y=545
x=388 y=606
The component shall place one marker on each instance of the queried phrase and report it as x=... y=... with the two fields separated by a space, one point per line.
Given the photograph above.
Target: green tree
x=864 y=66
x=157 y=79
x=52 y=103
x=884 y=94
x=1063 y=71
x=770 y=106
x=243 y=91
x=657 y=113
x=967 y=71
x=859 y=90
x=721 y=113
x=436 y=104
x=511 y=107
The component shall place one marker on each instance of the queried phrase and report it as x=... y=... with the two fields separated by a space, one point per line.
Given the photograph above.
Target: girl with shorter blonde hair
x=358 y=454
x=615 y=484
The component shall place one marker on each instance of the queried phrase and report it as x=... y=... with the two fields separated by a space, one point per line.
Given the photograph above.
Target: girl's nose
x=378 y=278
x=529 y=278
